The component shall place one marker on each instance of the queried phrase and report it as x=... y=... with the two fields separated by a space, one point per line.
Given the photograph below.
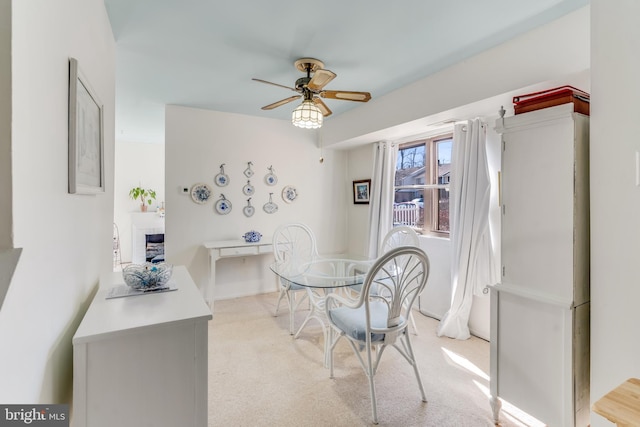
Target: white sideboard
x=231 y=248
x=142 y=360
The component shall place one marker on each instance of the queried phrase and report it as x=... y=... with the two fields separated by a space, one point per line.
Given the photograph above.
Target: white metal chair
x=381 y=318
x=294 y=244
x=401 y=236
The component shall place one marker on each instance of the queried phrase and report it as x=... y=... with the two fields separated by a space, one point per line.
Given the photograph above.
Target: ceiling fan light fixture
x=307 y=115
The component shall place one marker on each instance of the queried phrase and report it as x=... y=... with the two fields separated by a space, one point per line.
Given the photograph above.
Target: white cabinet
x=540 y=309
x=142 y=360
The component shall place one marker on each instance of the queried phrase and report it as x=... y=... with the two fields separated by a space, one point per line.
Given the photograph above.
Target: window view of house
x=423 y=171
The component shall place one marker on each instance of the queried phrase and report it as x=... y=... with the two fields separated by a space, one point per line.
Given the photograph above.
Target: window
x=421 y=186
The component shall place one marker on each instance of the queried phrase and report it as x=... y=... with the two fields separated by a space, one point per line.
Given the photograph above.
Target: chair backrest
x=399 y=236
x=294 y=244
x=398 y=277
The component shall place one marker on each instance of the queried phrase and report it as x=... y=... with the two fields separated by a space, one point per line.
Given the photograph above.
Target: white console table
x=231 y=248
x=142 y=360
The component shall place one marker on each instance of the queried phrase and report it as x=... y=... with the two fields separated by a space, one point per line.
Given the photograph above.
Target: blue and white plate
x=201 y=193
x=221 y=180
x=289 y=194
x=248 y=189
x=270 y=179
x=223 y=206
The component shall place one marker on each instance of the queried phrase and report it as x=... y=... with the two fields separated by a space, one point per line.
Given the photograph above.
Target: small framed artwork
x=361 y=190
x=86 y=135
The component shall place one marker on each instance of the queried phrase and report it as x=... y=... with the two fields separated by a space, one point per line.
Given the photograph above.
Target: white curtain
x=381 y=193
x=472 y=253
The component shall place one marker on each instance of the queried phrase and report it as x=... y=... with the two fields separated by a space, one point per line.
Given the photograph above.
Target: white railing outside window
x=406 y=214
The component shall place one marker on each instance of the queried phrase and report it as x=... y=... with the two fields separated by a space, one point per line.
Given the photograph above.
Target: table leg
x=209 y=292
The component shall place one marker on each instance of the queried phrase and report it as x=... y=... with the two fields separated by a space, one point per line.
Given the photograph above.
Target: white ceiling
x=203 y=53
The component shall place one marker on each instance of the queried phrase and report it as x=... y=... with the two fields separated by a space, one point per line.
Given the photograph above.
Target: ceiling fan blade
x=346 y=95
x=326 y=112
x=281 y=102
x=275 y=84
x=320 y=78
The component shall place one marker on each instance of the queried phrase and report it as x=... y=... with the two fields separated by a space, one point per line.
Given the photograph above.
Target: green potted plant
x=146 y=196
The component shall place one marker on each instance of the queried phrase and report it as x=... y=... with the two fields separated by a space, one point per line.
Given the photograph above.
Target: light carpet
x=260 y=376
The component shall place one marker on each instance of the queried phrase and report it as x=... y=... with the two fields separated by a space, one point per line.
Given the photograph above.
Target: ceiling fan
x=311 y=87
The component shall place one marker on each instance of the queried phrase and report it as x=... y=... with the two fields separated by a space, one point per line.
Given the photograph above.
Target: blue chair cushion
x=295 y=287
x=352 y=321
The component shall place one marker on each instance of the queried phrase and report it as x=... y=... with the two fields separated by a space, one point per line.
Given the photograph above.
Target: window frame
x=430 y=216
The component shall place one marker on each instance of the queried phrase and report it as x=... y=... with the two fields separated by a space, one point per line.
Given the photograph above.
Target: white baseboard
x=471 y=330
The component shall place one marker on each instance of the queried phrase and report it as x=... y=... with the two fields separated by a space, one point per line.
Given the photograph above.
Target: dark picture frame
x=361 y=191
x=86 y=135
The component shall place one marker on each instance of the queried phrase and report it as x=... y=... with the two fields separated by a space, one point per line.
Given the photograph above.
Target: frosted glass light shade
x=307 y=116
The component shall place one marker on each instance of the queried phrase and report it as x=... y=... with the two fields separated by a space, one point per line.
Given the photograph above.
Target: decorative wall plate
x=248 y=189
x=270 y=207
x=201 y=193
x=248 y=172
x=223 y=206
x=221 y=179
x=270 y=178
x=248 y=210
x=289 y=193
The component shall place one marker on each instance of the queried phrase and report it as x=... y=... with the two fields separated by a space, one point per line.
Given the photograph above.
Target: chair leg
x=334 y=337
x=313 y=313
x=327 y=344
x=291 y=296
x=415 y=367
x=413 y=323
x=282 y=292
x=372 y=387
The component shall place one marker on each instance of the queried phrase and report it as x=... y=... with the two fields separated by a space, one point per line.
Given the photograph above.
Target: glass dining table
x=324 y=273
x=321 y=276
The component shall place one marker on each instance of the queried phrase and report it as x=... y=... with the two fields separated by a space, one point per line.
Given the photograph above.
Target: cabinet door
x=534 y=355
x=538 y=204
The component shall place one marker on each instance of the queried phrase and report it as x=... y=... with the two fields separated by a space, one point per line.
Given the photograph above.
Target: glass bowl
x=148 y=275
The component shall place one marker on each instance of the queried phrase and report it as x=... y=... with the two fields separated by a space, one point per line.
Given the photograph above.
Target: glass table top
x=324 y=272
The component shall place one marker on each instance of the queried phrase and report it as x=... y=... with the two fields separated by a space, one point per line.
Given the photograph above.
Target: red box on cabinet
x=551 y=98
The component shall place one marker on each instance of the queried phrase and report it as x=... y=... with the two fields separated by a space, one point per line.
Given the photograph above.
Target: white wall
x=198 y=142
x=137 y=164
x=615 y=197
x=66 y=239
x=359 y=166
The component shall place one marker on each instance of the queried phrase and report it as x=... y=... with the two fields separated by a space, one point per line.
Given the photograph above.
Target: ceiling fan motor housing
x=302 y=83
